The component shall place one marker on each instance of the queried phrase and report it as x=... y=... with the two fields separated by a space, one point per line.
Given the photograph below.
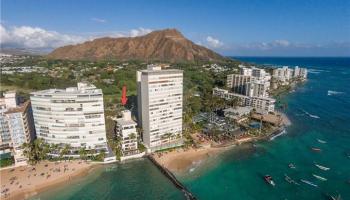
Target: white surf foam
x=315 y=71
x=311 y=115
x=331 y=92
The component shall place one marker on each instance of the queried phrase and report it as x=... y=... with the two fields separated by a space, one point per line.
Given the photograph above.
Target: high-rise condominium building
x=160 y=106
x=257 y=88
x=238 y=83
x=16 y=126
x=253 y=82
x=73 y=116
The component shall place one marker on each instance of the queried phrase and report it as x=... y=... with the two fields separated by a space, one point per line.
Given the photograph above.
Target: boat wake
x=310 y=115
x=278 y=134
x=316 y=71
x=331 y=93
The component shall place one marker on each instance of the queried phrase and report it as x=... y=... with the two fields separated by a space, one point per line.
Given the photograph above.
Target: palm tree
x=234 y=102
x=28 y=153
x=38 y=152
x=139 y=132
x=102 y=155
x=65 y=151
x=83 y=153
x=132 y=136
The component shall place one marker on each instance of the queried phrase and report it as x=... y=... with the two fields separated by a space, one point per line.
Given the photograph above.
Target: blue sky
x=238 y=28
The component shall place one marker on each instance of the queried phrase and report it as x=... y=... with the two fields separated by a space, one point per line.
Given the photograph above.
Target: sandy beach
x=181 y=159
x=26 y=181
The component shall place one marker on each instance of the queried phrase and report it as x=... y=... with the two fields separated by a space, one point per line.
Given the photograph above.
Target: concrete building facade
x=160 y=101
x=17 y=127
x=262 y=105
x=126 y=131
x=73 y=116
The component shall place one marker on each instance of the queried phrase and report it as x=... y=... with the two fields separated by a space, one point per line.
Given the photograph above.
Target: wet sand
x=181 y=159
x=26 y=181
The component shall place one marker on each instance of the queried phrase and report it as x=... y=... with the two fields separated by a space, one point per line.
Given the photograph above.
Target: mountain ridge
x=161 y=45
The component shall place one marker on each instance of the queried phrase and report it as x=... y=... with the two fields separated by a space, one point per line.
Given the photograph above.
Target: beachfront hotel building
x=16 y=127
x=261 y=105
x=126 y=130
x=73 y=116
x=160 y=96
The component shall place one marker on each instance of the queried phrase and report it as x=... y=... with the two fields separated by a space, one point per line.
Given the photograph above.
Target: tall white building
x=300 y=72
x=283 y=74
x=257 y=88
x=246 y=71
x=253 y=82
x=238 y=83
x=160 y=106
x=126 y=131
x=16 y=127
x=73 y=116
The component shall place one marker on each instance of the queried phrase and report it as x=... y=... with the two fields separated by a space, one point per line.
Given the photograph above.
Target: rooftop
x=82 y=88
x=124 y=122
x=157 y=69
x=21 y=108
x=126 y=119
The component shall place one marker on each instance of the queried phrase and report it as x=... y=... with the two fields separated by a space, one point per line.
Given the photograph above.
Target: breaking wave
x=331 y=92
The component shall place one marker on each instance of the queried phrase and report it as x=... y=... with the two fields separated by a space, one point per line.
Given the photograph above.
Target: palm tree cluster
x=36 y=151
x=39 y=150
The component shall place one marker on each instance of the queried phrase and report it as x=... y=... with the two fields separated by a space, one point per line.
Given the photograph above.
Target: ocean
x=319 y=109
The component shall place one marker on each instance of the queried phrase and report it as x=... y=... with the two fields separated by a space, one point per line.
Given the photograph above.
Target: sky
x=232 y=28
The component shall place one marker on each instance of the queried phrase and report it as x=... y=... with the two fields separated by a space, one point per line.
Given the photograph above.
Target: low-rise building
x=238 y=114
x=126 y=131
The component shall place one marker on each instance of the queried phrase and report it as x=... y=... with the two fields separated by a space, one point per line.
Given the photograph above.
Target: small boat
x=269 y=180
x=321 y=141
x=291 y=165
x=322 y=167
x=308 y=182
x=316 y=149
x=319 y=177
x=290 y=180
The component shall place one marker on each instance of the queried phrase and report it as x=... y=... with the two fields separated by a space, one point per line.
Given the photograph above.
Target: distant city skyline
x=232 y=28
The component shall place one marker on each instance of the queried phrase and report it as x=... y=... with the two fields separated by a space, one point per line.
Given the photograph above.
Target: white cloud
x=98 y=20
x=268 y=45
x=282 y=43
x=36 y=38
x=139 y=32
x=213 y=42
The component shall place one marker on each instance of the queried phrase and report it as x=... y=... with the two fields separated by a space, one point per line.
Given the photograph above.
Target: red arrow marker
x=124 y=99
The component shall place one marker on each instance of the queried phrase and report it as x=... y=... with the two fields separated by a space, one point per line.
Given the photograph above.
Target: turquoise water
x=315 y=115
x=237 y=174
x=132 y=180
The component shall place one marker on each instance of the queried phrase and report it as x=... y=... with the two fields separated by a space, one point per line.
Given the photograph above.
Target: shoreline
x=29 y=182
x=181 y=160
